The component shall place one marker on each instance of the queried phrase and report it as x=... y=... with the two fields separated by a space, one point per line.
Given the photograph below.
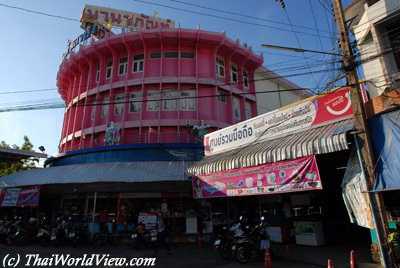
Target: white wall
x=267 y=81
x=372 y=39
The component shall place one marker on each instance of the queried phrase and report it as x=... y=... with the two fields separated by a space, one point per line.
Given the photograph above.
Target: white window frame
x=135 y=102
x=109 y=70
x=123 y=66
x=170 y=100
x=138 y=64
x=220 y=66
x=245 y=79
x=105 y=107
x=187 y=100
x=234 y=73
x=119 y=104
x=98 y=73
x=236 y=107
x=153 y=100
x=248 y=110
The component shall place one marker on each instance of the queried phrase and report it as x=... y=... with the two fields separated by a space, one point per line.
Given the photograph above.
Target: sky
x=32 y=46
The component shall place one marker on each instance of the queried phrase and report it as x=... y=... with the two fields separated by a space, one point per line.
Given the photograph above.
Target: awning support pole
x=375 y=208
x=94 y=211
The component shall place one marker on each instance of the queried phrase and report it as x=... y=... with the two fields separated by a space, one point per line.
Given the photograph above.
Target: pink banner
x=24 y=196
x=286 y=176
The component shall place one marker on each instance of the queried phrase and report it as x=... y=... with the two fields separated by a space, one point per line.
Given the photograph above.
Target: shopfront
x=124 y=191
x=288 y=166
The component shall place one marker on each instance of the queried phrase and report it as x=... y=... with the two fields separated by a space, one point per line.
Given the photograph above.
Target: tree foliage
x=25 y=164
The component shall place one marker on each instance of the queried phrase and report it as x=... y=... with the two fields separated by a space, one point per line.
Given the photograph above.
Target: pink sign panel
x=24 y=196
x=286 y=176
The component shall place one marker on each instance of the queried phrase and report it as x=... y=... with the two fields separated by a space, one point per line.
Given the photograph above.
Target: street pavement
x=190 y=256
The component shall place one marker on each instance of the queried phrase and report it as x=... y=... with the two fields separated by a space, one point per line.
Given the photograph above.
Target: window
x=170 y=100
x=119 y=104
x=236 y=108
x=248 y=110
x=187 y=100
x=138 y=61
x=222 y=96
x=98 y=73
x=394 y=39
x=246 y=79
x=153 y=101
x=170 y=54
x=93 y=114
x=220 y=67
x=187 y=55
x=104 y=107
x=155 y=55
x=234 y=73
x=109 y=69
x=135 y=102
x=123 y=65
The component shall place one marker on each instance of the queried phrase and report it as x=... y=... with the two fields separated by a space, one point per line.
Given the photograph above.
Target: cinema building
x=138 y=103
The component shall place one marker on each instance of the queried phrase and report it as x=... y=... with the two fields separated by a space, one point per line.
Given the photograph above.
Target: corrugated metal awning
x=321 y=140
x=151 y=171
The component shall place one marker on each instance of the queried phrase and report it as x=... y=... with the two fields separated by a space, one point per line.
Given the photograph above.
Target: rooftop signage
x=311 y=112
x=122 y=19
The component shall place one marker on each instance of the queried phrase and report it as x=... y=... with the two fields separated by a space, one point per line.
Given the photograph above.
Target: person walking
x=161 y=233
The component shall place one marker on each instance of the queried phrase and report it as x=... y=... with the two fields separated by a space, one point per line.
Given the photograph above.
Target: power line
x=39 y=12
x=225 y=18
x=28 y=91
x=169 y=7
x=245 y=16
x=298 y=42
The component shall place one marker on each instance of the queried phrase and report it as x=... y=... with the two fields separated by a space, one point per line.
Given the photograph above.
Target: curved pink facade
x=154 y=86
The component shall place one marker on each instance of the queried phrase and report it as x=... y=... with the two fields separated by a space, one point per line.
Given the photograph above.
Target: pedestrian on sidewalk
x=161 y=233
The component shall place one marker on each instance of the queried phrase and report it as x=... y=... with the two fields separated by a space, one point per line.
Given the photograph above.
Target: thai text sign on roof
x=122 y=19
x=306 y=114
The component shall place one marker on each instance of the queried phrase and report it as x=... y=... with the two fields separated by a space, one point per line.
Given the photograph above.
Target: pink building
x=154 y=86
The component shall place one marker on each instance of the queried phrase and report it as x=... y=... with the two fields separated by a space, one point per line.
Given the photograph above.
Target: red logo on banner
x=333 y=106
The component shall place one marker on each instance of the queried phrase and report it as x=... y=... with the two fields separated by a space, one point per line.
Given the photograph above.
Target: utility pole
x=376 y=202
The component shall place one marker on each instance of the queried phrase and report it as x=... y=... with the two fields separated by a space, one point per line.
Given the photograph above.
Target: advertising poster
x=148 y=219
x=286 y=176
x=10 y=197
x=29 y=196
x=24 y=196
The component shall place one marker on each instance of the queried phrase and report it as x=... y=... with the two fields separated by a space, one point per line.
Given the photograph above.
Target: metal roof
x=9 y=155
x=150 y=171
x=320 y=140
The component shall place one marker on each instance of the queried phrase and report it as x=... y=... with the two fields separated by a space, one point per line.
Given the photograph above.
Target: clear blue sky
x=32 y=45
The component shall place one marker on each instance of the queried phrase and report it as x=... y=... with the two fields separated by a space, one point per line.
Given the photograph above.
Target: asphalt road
x=181 y=256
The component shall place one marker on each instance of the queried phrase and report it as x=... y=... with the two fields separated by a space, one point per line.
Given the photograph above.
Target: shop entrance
x=310 y=218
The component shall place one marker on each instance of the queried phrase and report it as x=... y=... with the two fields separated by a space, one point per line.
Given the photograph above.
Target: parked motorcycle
x=252 y=243
x=22 y=231
x=44 y=232
x=143 y=238
x=104 y=237
x=223 y=243
x=5 y=224
x=79 y=236
x=59 y=232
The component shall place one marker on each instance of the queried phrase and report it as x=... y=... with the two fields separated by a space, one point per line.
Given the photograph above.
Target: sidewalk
x=300 y=256
x=190 y=256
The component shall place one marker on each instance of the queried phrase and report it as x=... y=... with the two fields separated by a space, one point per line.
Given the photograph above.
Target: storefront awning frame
x=324 y=139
